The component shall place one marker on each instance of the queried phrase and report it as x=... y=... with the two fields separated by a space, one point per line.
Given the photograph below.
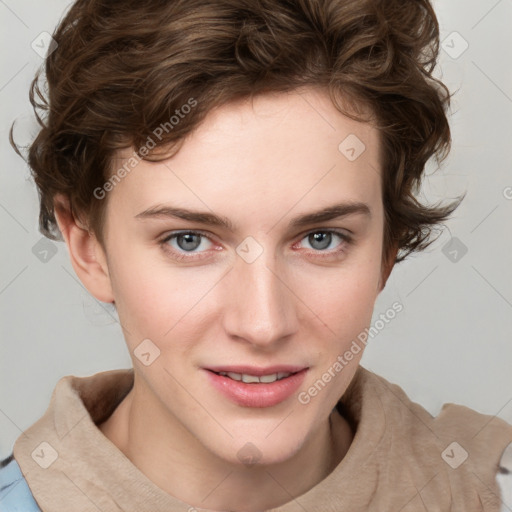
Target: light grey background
x=451 y=343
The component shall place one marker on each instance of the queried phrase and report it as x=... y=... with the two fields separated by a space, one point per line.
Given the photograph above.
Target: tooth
x=268 y=378
x=250 y=378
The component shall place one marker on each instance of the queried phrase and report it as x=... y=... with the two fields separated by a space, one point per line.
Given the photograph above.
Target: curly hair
x=124 y=67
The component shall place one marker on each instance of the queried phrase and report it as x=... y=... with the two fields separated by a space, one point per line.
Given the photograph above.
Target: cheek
x=344 y=304
x=343 y=300
x=150 y=297
x=164 y=303
x=344 y=297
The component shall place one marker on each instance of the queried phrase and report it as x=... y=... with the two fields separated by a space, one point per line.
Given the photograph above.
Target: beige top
x=401 y=458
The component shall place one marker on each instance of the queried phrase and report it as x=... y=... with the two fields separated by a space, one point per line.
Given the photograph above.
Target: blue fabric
x=15 y=495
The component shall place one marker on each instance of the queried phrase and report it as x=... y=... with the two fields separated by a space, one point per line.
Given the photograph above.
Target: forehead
x=279 y=148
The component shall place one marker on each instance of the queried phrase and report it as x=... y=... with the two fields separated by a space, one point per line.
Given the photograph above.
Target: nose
x=261 y=308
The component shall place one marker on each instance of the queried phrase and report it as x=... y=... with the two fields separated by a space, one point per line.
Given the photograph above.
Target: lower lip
x=257 y=394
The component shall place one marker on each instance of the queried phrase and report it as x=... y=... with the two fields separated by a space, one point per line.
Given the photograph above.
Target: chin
x=258 y=451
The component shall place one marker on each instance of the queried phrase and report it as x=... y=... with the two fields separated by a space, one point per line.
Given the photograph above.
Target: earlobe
x=86 y=254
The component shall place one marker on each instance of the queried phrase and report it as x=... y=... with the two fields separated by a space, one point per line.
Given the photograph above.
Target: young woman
x=237 y=177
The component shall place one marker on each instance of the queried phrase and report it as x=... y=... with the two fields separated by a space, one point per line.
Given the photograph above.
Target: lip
x=257 y=394
x=254 y=370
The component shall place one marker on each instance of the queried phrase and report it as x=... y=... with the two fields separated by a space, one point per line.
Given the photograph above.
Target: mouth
x=257 y=387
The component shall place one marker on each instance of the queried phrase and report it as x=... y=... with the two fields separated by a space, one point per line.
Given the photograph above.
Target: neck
x=169 y=455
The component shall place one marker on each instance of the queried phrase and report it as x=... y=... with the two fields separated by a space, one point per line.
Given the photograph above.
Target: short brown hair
x=123 y=68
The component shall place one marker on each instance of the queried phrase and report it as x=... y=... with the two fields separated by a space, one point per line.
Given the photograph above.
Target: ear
x=387 y=266
x=87 y=256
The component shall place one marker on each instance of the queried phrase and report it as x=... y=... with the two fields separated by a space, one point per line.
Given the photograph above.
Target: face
x=262 y=290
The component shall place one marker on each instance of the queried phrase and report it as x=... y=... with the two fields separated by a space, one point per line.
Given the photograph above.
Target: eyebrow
x=325 y=214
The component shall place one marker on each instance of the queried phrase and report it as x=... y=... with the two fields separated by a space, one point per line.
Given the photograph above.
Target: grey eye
x=320 y=240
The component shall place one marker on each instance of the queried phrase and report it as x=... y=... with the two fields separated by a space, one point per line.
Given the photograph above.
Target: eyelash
x=345 y=240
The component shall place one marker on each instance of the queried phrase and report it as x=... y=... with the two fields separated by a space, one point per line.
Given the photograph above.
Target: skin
x=260 y=165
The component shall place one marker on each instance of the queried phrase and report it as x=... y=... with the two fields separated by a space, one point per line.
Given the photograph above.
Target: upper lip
x=257 y=371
